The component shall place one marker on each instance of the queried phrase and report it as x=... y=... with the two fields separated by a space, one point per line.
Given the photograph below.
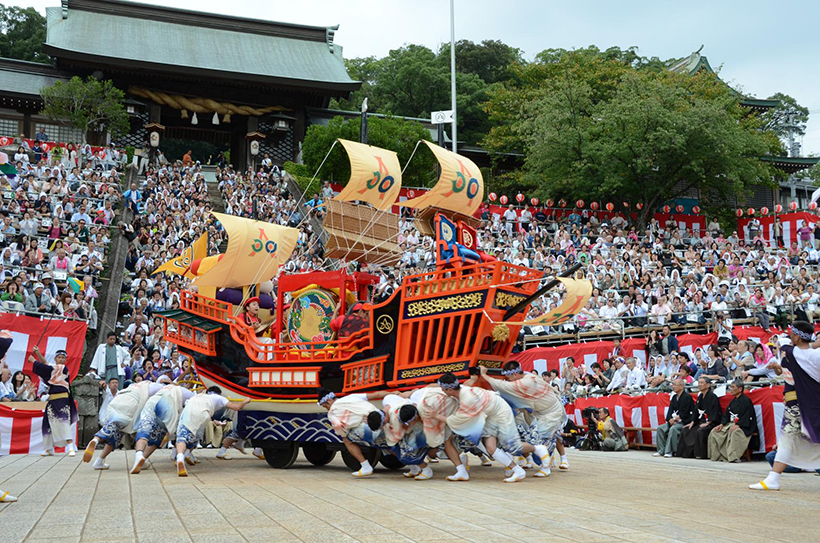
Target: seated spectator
x=38 y=301
x=613 y=436
x=729 y=440
x=636 y=378
x=680 y=414
x=6 y=388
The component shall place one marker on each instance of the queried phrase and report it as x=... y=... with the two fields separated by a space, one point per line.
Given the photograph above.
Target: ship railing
x=204 y=306
x=482 y=275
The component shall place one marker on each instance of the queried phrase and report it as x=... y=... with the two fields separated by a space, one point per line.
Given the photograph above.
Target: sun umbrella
x=75 y=284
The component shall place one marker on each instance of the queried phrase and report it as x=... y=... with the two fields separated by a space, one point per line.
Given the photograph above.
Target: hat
x=38 y=285
x=252 y=299
x=358 y=306
x=47 y=275
x=61 y=352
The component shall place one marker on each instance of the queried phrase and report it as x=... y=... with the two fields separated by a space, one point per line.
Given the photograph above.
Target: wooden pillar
x=28 y=126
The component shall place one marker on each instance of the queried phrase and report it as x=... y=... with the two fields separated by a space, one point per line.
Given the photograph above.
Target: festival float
x=466 y=312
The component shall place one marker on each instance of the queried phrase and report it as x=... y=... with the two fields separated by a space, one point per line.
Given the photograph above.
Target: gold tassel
x=226 y=118
x=501 y=332
x=184 y=113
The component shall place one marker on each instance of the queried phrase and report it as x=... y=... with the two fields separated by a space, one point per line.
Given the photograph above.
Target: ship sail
x=255 y=251
x=578 y=293
x=459 y=188
x=181 y=265
x=375 y=175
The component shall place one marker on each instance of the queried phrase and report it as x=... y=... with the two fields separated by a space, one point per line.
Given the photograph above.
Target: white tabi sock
x=772 y=479
x=563 y=458
x=461 y=470
x=222 y=451
x=366 y=466
x=138 y=455
x=180 y=457
x=503 y=458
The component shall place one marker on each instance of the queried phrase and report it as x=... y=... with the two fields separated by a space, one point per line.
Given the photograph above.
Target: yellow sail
x=459 y=188
x=578 y=294
x=181 y=265
x=375 y=175
x=255 y=251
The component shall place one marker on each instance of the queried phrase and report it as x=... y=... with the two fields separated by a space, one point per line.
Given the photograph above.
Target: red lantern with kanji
x=666 y=209
x=739 y=213
x=411 y=193
x=778 y=208
x=492 y=196
x=750 y=211
x=696 y=210
x=562 y=202
x=764 y=210
x=639 y=206
x=504 y=200
x=535 y=202
x=519 y=197
x=626 y=205
x=610 y=206
x=813 y=206
x=579 y=204
x=793 y=205
x=550 y=202
x=594 y=206
x=679 y=208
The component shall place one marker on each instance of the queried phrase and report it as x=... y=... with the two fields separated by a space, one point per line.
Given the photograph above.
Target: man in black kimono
x=680 y=414
x=694 y=440
x=730 y=439
x=5 y=343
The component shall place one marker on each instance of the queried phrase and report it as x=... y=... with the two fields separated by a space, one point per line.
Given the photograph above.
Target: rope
x=201 y=105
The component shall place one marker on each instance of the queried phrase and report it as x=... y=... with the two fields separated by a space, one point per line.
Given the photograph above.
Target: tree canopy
x=388 y=133
x=22 y=34
x=90 y=105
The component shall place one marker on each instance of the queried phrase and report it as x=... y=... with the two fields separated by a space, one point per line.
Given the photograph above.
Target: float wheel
x=281 y=455
x=371 y=454
x=391 y=462
x=318 y=454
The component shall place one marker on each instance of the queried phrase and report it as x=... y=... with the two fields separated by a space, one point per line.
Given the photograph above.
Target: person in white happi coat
x=198 y=411
x=484 y=417
x=159 y=417
x=348 y=417
x=123 y=415
x=404 y=435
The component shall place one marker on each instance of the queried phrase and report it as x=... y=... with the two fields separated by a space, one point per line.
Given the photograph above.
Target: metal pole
x=453 y=69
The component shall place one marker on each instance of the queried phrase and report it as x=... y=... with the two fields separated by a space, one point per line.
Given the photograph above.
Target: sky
x=757 y=45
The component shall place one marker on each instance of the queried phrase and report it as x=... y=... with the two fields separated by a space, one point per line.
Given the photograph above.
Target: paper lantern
x=411 y=193
x=739 y=213
x=679 y=208
x=610 y=206
x=593 y=206
x=626 y=205
x=793 y=205
x=639 y=206
x=778 y=208
x=696 y=210
x=535 y=201
x=550 y=202
x=579 y=204
x=813 y=206
x=764 y=210
x=492 y=196
x=519 y=197
x=666 y=209
x=562 y=202
x=750 y=211
x=504 y=200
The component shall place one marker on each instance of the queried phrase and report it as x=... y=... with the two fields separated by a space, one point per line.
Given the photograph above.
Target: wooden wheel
x=370 y=454
x=280 y=455
x=318 y=454
x=391 y=462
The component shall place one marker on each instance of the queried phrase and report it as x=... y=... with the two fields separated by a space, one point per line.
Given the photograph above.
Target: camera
x=590 y=412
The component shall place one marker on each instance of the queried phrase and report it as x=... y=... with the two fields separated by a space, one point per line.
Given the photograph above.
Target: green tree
x=22 y=34
x=787 y=116
x=388 y=133
x=602 y=129
x=89 y=105
x=490 y=60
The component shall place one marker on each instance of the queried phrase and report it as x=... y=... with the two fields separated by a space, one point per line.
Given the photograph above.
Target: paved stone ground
x=606 y=496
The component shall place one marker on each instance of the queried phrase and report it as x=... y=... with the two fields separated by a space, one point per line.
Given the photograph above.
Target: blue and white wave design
x=302 y=427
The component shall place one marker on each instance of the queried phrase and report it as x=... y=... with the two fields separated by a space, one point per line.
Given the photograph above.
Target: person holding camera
x=723 y=327
x=612 y=435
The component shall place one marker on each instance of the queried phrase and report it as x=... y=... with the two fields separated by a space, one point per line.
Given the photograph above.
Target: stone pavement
x=605 y=497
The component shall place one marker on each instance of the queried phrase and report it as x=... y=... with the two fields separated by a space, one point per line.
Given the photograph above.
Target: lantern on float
x=764 y=210
x=679 y=208
x=579 y=204
x=550 y=202
x=504 y=200
x=666 y=209
x=739 y=213
x=793 y=205
x=535 y=202
x=492 y=196
x=562 y=202
x=593 y=206
x=519 y=198
x=610 y=206
x=696 y=210
x=639 y=206
x=778 y=208
x=813 y=206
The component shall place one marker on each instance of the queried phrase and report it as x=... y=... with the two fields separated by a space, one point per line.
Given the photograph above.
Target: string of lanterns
x=763 y=211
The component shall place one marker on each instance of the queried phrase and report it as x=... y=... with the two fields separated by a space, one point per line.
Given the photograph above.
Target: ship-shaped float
x=465 y=312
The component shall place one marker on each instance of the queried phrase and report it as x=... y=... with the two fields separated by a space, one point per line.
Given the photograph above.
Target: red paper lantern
x=793 y=205
x=778 y=208
x=411 y=193
x=764 y=210
x=579 y=204
x=813 y=206
x=696 y=210
x=666 y=209
x=750 y=211
x=519 y=197
x=639 y=206
x=610 y=206
x=550 y=202
x=504 y=200
x=492 y=196
x=593 y=206
x=739 y=213
x=679 y=208
x=626 y=205
x=562 y=202
x=535 y=202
